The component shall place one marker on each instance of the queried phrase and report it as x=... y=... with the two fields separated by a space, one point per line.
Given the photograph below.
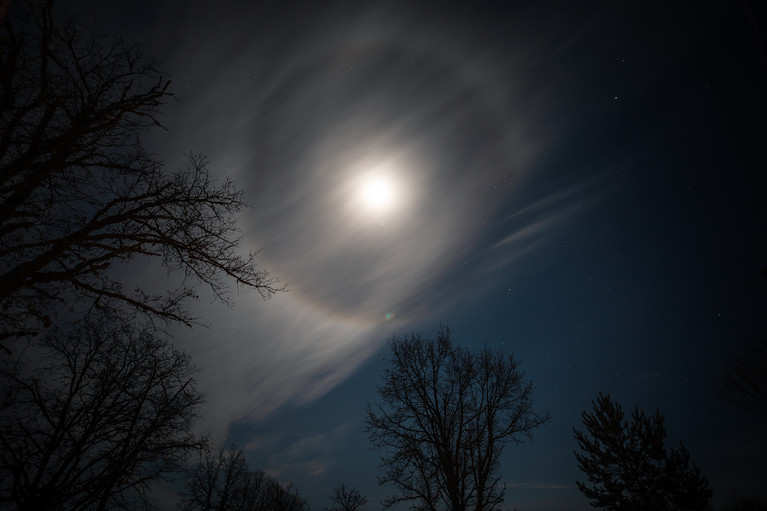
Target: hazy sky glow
x=575 y=182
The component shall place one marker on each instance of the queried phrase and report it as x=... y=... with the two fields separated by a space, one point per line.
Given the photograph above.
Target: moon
x=378 y=193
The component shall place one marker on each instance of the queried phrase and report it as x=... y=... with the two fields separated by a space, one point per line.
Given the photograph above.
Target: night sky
x=580 y=183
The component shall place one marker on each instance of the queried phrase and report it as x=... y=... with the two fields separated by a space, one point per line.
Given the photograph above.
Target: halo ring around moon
x=480 y=92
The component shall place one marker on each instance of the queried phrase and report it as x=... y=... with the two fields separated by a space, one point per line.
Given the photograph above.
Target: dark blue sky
x=581 y=185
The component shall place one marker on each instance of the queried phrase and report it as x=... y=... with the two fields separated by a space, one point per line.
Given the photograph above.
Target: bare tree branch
x=746 y=382
x=78 y=191
x=89 y=418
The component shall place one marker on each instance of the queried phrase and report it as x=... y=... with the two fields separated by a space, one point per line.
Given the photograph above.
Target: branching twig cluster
x=79 y=193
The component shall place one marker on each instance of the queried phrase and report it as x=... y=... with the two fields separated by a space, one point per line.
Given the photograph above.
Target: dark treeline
x=224 y=482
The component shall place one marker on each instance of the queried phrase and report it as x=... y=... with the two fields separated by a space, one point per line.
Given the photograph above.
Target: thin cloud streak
x=264 y=355
x=310 y=456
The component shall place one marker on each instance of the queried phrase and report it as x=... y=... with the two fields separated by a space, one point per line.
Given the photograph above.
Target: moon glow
x=378 y=193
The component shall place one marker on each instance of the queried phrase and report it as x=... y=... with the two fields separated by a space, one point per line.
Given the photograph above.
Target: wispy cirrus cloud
x=296 y=121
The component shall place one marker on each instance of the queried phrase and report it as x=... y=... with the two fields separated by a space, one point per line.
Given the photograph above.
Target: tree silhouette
x=90 y=418
x=79 y=192
x=629 y=467
x=223 y=482
x=445 y=416
x=346 y=499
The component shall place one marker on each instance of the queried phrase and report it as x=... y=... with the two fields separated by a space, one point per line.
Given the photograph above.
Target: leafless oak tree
x=79 y=192
x=89 y=419
x=445 y=416
x=224 y=482
x=346 y=499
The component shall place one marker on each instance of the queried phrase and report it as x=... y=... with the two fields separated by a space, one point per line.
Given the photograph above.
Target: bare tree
x=78 y=191
x=628 y=466
x=224 y=482
x=346 y=499
x=91 y=418
x=216 y=482
x=445 y=417
x=746 y=382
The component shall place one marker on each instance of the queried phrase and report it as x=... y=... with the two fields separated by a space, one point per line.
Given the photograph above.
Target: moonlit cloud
x=541 y=218
x=311 y=456
x=261 y=356
x=429 y=134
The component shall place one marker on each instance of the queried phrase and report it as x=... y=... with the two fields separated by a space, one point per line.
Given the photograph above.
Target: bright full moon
x=378 y=193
